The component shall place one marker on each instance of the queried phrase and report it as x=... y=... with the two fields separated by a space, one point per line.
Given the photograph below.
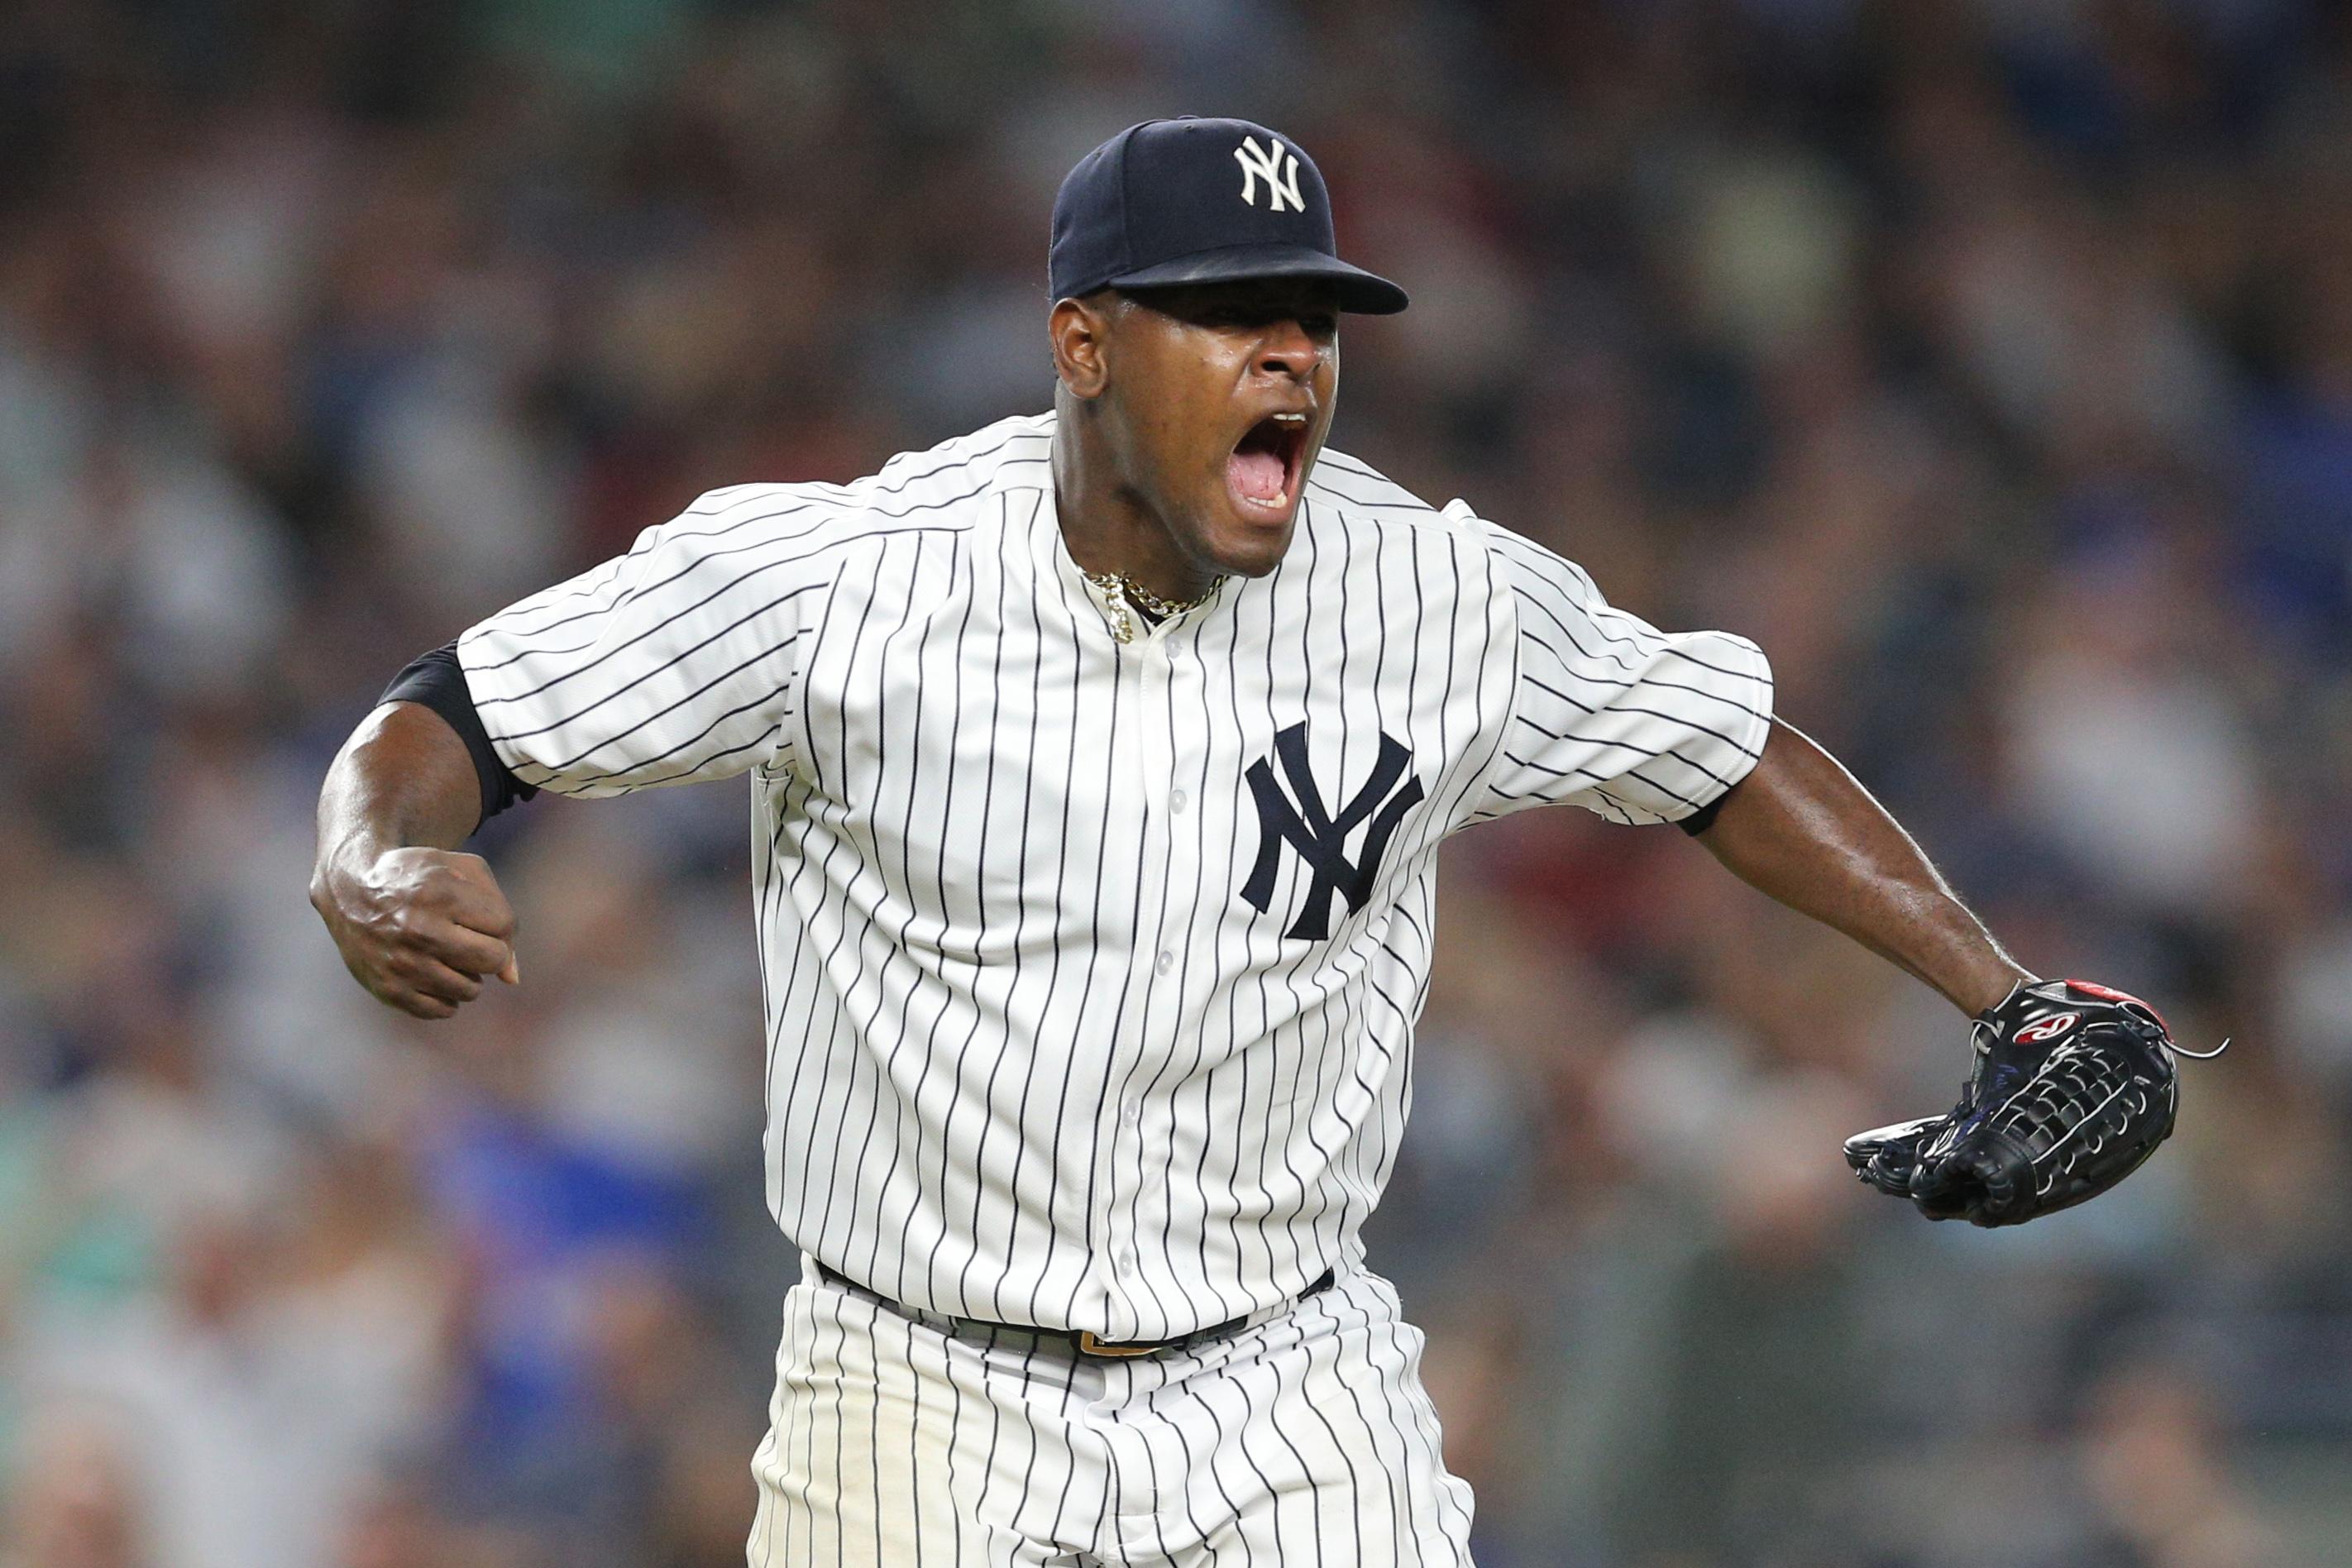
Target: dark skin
x=1154 y=395
x=419 y=923
x=1801 y=829
x=1155 y=391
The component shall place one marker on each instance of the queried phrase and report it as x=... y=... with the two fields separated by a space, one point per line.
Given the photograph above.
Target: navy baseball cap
x=1200 y=201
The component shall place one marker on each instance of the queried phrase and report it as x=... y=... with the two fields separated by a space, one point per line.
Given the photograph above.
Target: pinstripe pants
x=1303 y=1438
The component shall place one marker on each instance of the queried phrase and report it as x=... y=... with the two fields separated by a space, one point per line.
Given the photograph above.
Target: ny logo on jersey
x=1320 y=837
x=1279 y=164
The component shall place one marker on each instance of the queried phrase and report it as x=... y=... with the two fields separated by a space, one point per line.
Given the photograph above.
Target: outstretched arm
x=417 y=923
x=1800 y=829
x=2073 y=1084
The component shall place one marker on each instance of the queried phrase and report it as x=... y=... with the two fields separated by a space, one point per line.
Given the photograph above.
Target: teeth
x=1290 y=419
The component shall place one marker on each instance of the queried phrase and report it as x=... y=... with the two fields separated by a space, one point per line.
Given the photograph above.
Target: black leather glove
x=2074 y=1086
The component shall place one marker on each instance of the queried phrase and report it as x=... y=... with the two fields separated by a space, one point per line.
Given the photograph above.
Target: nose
x=1286 y=350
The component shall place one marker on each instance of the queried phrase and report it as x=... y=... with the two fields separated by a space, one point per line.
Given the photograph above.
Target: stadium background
x=1992 y=364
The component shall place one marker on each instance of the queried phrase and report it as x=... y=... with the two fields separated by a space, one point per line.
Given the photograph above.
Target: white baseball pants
x=1302 y=1439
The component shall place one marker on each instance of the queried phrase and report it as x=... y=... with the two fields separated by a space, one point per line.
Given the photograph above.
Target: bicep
x=679 y=661
x=1609 y=713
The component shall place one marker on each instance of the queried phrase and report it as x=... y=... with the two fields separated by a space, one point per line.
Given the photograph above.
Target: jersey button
x=1179 y=801
x=1167 y=961
x=1131 y=1114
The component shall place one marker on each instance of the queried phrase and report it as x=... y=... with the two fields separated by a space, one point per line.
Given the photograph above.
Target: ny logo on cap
x=1279 y=164
x=1320 y=837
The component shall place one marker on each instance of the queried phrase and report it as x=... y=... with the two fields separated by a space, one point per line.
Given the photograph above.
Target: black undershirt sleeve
x=1700 y=821
x=439 y=681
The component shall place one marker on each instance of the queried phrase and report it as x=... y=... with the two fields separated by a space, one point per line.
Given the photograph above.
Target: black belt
x=1084 y=1341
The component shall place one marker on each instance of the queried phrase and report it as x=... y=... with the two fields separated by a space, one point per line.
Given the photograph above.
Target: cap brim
x=1355 y=289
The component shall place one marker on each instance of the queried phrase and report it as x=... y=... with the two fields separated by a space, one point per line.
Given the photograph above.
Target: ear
x=1080 y=331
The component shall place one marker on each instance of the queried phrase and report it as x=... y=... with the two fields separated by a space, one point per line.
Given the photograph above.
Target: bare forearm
x=1801 y=829
x=403 y=781
x=417 y=922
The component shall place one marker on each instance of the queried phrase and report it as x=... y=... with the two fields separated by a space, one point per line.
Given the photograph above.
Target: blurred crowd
x=1989 y=363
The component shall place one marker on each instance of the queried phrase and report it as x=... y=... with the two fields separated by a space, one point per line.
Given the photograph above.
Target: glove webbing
x=2066 y=1112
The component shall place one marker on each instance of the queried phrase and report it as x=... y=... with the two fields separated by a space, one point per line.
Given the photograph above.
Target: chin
x=1248 y=548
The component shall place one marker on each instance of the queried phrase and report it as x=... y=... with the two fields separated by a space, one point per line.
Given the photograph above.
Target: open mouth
x=1263 y=471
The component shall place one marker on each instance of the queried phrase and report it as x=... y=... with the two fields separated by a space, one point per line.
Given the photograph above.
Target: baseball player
x=1099 y=763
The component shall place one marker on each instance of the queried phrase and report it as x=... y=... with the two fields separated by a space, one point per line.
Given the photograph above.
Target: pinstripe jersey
x=1091 y=965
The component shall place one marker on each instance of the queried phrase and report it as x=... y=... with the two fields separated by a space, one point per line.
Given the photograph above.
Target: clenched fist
x=421 y=929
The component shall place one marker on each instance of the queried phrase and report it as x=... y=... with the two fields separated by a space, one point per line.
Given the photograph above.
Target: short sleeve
x=1608 y=712
x=677 y=662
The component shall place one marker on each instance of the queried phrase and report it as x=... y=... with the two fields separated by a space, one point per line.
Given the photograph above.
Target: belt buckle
x=1089 y=1345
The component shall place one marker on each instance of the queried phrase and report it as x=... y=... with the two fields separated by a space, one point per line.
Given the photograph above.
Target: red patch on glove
x=2109 y=993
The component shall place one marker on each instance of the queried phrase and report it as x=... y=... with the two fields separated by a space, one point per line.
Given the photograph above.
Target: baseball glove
x=2075 y=1085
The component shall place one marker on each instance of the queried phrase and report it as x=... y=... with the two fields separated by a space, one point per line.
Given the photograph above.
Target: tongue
x=1255 y=475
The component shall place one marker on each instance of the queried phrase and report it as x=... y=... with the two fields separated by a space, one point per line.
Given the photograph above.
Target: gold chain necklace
x=1123 y=591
